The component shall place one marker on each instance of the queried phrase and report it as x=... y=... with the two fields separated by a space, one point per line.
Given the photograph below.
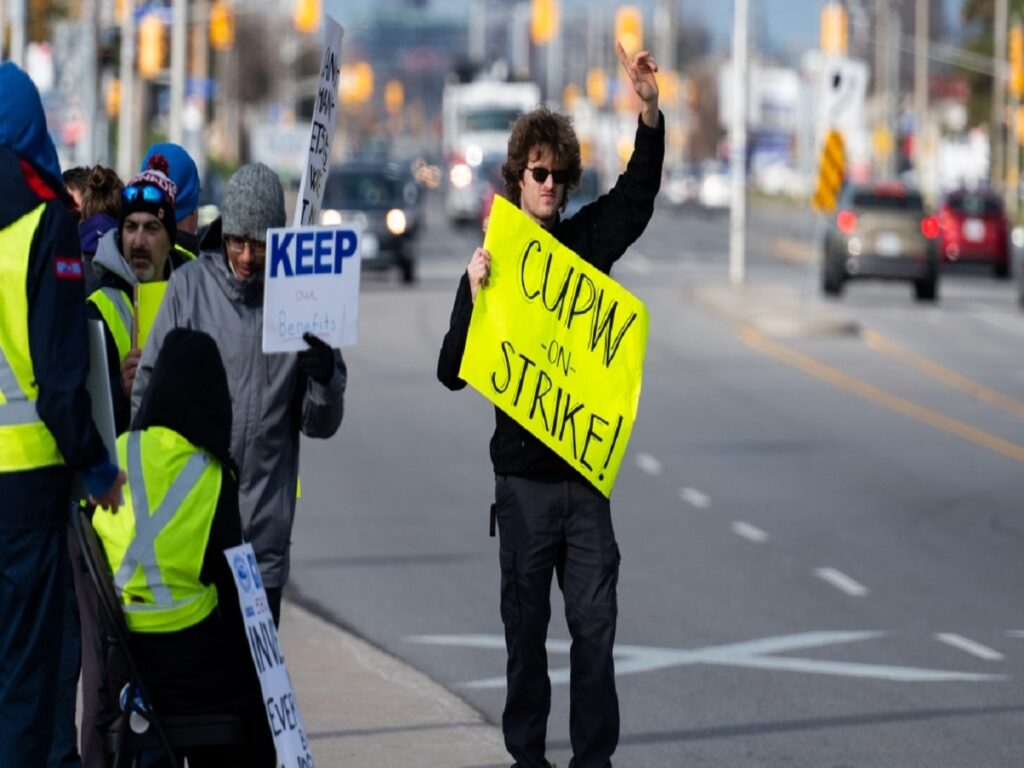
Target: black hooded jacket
x=600 y=233
x=188 y=393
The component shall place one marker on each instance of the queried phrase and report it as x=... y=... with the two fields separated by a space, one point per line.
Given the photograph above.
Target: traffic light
x=307 y=16
x=356 y=83
x=543 y=20
x=394 y=96
x=1016 y=79
x=222 y=26
x=834 y=30
x=629 y=28
x=597 y=87
x=151 y=46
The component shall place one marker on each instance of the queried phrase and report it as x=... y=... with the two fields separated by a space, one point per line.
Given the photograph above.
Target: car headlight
x=460 y=175
x=330 y=217
x=395 y=221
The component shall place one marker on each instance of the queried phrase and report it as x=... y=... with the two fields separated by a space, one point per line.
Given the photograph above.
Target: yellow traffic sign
x=831 y=170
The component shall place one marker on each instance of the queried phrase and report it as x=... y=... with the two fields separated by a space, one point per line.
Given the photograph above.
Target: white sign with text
x=321 y=132
x=278 y=697
x=311 y=285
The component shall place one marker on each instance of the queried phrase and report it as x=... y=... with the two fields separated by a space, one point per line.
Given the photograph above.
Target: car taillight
x=930 y=227
x=847 y=222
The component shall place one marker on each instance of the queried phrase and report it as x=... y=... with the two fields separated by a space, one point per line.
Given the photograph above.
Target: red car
x=973 y=228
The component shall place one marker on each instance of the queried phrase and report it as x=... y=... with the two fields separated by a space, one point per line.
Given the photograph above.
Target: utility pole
x=18 y=21
x=179 y=40
x=921 y=23
x=125 y=122
x=999 y=95
x=478 y=31
x=738 y=145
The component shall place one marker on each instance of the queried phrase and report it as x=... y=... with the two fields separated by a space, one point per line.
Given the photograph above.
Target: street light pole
x=921 y=130
x=125 y=122
x=179 y=37
x=999 y=94
x=738 y=145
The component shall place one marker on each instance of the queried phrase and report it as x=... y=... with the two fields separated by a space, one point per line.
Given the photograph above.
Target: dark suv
x=384 y=199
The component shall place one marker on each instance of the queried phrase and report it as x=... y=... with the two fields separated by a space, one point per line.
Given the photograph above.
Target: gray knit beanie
x=253 y=203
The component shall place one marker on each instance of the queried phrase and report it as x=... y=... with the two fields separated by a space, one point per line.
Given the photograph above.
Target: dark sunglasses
x=540 y=174
x=148 y=193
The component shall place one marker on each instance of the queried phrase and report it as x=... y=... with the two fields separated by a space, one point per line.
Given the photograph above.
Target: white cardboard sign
x=278 y=697
x=321 y=132
x=311 y=285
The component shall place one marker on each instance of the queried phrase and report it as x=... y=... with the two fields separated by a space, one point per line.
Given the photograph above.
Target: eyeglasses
x=147 y=192
x=540 y=174
x=236 y=245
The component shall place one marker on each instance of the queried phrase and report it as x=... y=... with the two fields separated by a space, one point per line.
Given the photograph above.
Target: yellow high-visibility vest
x=156 y=543
x=25 y=441
x=118 y=314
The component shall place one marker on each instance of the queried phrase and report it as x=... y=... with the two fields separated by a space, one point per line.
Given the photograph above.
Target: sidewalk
x=362 y=708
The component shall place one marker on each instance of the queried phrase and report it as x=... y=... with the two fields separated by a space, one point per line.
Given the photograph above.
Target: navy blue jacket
x=58 y=344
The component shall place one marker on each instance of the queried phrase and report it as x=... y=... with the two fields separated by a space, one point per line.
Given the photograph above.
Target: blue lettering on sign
x=320 y=252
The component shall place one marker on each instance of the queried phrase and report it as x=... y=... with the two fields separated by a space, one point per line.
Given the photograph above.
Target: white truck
x=477 y=117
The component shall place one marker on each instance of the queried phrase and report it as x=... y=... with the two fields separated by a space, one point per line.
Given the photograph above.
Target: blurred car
x=715 y=192
x=383 y=198
x=973 y=228
x=881 y=230
x=681 y=185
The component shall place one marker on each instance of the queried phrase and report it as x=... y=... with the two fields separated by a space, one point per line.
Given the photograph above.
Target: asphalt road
x=821 y=535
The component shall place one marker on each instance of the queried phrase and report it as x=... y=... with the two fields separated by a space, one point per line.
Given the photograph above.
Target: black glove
x=318 y=361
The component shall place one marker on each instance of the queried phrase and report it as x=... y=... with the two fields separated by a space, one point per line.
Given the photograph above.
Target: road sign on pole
x=831 y=169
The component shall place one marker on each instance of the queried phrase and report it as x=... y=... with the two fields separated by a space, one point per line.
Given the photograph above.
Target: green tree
x=978 y=17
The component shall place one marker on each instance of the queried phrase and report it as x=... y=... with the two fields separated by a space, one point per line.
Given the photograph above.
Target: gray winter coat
x=271 y=400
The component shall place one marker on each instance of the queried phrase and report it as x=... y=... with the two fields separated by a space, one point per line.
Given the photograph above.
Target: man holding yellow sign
x=558 y=347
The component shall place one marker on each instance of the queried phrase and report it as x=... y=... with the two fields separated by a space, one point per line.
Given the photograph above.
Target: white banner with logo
x=278 y=697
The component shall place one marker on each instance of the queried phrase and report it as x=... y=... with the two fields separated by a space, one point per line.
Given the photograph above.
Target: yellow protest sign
x=148 y=297
x=558 y=345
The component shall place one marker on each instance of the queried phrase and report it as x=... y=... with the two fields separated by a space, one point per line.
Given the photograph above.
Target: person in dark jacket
x=100 y=210
x=46 y=427
x=191 y=649
x=551 y=520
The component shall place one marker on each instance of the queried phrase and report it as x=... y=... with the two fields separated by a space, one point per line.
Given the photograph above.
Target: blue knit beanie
x=183 y=173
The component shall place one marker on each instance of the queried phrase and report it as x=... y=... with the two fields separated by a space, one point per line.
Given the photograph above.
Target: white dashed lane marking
x=969 y=646
x=841 y=581
x=648 y=463
x=695 y=498
x=749 y=532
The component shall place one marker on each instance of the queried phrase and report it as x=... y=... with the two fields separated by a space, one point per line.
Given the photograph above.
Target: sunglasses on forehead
x=540 y=174
x=148 y=193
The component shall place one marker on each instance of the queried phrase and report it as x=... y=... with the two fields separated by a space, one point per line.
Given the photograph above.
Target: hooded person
x=183 y=172
x=221 y=293
x=138 y=250
x=46 y=427
x=191 y=648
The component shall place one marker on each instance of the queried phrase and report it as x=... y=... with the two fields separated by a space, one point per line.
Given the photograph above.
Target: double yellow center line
x=864 y=389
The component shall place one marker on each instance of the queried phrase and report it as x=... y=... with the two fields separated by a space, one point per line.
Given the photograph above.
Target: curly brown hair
x=102 y=193
x=530 y=132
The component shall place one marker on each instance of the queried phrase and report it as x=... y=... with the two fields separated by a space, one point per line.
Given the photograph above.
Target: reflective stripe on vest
x=25 y=442
x=118 y=315
x=186 y=254
x=157 y=552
